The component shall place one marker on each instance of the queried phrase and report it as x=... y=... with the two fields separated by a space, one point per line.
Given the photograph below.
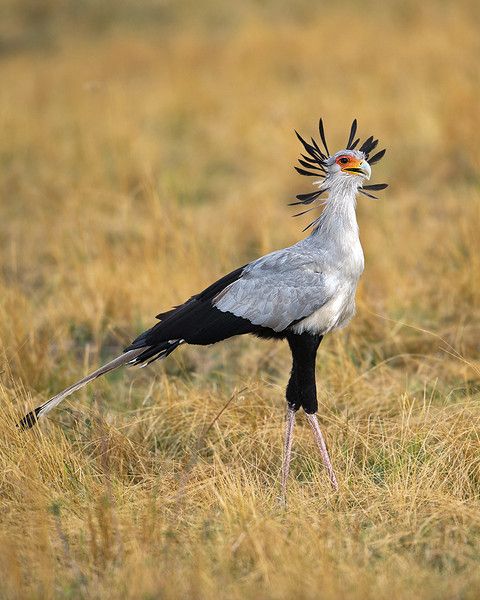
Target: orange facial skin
x=346 y=162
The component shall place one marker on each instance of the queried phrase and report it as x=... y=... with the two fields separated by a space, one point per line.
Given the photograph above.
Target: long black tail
x=138 y=356
x=196 y=321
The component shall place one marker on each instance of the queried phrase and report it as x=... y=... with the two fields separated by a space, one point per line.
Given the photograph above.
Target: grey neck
x=338 y=218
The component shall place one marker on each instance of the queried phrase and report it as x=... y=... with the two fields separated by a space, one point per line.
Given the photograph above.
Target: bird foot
x=317 y=434
x=287 y=454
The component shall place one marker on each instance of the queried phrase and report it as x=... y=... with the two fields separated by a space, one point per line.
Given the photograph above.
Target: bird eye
x=344 y=160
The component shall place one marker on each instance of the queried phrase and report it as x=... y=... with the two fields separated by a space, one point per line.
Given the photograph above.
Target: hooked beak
x=365 y=169
x=362 y=169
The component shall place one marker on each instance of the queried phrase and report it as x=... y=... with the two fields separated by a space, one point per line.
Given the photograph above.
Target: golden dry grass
x=142 y=155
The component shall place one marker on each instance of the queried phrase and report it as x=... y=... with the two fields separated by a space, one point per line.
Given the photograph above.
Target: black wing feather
x=197 y=321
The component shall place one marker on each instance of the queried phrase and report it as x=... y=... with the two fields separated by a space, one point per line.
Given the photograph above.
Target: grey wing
x=278 y=290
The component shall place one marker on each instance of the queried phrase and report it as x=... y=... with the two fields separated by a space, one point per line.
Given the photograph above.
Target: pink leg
x=317 y=434
x=287 y=453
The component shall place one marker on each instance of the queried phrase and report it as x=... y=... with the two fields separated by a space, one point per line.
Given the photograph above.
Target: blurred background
x=146 y=148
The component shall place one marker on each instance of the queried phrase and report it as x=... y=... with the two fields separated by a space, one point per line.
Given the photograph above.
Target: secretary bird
x=299 y=293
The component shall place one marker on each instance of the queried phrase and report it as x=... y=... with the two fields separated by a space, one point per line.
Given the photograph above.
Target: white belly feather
x=332 y=315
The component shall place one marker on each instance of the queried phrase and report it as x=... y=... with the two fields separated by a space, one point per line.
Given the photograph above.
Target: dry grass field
x=146 y=149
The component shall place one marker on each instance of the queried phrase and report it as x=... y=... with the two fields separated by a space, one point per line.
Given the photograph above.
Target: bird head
x=352 y=164
x=348 y=163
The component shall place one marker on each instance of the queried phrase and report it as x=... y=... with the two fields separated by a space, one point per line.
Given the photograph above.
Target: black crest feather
x=378 y=156
x=322 y=136
x=351 y=137
x=306 y=173
x=362 y=191
x=375 y=186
